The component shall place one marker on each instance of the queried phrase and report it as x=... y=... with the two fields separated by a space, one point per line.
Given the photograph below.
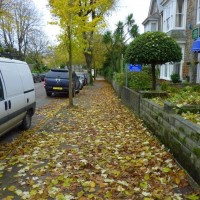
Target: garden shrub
x=139 y=80
x=196 y=88
x=120 y=79
x=175 y=78
x=108 y=73
x=173 y=89
x=165 y=86
x=136 y=80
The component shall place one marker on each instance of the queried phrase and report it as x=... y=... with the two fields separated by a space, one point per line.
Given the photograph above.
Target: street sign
x=135 y=68
x=195 y=33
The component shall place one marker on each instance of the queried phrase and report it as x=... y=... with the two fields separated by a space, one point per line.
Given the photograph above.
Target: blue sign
x=135 y=68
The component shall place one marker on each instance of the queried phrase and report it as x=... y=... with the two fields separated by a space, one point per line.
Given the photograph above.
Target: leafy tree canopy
x=153 y=48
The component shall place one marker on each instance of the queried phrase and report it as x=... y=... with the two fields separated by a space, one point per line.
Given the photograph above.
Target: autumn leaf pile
x=96 y=150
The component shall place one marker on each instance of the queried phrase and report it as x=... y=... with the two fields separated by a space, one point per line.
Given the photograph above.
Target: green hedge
x=135 y=80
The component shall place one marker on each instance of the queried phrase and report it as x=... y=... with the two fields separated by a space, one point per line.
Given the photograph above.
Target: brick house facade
x=177 y=18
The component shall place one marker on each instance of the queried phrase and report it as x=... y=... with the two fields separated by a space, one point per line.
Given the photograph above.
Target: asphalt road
x=41 y=100
x=41 y=97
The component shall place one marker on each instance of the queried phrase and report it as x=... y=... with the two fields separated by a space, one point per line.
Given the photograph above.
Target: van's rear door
x=14 y=92
x=3 y=107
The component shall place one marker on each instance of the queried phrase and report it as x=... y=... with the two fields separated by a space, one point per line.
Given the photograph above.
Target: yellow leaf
x=92 y=190
x=146 y=177
x=92 y=184
x=177 y=180
x=168 y=198
x=90 y=196
x=9 y=198
x=108 y=195
x=33 y=192
x=144 y=185
x=102 y=185
x=80 y=194
x=12 y=188
x=55 y=182
x=166 y=169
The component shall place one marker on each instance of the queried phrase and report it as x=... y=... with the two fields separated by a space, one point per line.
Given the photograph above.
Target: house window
x=165 y=70
x=179 y=13
x=167 y=17
x=177 y=67
x=198 y=12
x=153 y=27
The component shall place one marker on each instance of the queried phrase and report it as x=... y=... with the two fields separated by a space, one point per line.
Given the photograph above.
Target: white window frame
x=183 y=13
x=198 y=70
x=198 y=12
x=154 y=24
x=168 y=17
x=170 y=14
x=167 y=69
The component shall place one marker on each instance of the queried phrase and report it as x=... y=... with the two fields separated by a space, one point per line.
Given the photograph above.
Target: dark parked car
x=81 y=79
x=57 y=82
x=36 y=77
x=84 y=75
x=42 y=75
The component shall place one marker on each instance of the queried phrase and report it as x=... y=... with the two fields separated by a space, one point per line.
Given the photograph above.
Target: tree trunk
x=70 y=75
x=70 y=68
x=153 y=70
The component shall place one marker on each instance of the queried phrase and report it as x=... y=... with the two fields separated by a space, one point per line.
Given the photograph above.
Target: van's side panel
x=14 y=90
x=27 y=84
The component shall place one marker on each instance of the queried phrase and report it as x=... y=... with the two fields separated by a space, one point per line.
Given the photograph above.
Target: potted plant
x=175 y=78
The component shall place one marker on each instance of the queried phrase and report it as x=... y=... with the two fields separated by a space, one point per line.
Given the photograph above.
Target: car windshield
x=58 y=73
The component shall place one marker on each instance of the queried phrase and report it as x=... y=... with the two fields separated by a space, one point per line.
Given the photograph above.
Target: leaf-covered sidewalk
x=96 y=150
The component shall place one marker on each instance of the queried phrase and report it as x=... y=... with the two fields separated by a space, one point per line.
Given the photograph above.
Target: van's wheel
x=26 y=123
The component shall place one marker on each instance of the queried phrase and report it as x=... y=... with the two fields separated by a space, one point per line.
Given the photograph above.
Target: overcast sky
x=139 y=8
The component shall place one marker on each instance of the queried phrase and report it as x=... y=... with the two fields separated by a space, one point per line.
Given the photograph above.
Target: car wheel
x=26 y=123
x=48 y=94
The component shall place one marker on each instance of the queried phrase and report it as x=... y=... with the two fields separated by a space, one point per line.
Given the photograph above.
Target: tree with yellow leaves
x=79 y=19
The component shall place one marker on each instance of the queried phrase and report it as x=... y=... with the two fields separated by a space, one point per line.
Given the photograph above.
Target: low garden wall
x=181 y=136
x=131 y=99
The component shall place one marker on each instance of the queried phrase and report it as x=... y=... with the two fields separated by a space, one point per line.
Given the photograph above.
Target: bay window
x=174 y=15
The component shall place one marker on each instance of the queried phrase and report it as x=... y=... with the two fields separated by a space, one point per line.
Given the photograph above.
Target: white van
x=17 y=95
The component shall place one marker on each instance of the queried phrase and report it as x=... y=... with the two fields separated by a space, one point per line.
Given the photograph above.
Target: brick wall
x=181 y=136
x=131 y=99
x=191 y=20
